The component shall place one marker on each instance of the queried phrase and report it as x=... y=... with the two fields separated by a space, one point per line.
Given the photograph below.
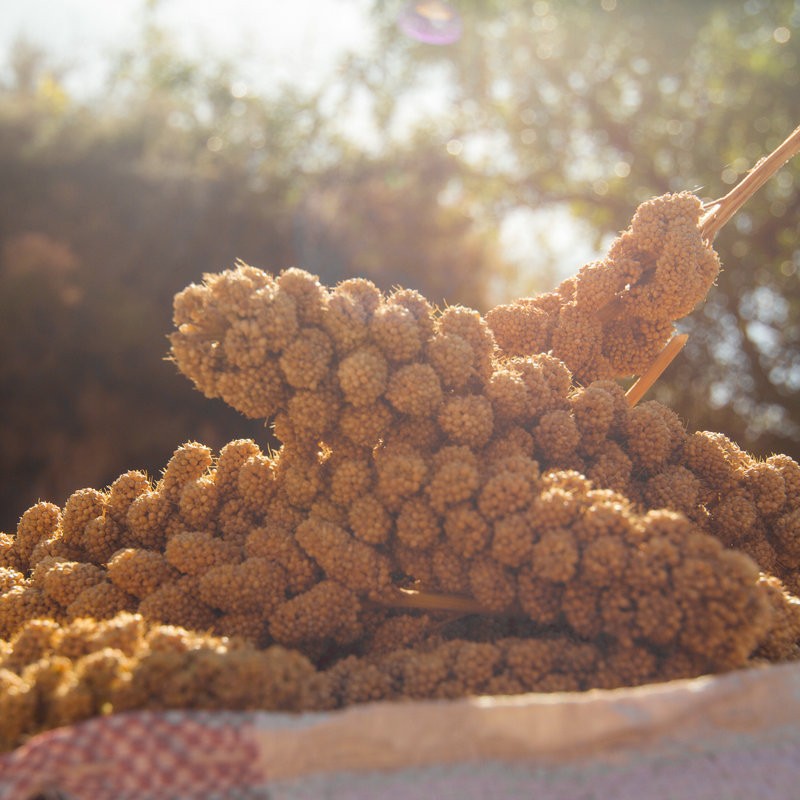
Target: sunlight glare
x=431 y=22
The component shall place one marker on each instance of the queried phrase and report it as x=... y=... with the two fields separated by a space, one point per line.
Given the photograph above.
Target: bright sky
x=275 y=40
x=271 y=42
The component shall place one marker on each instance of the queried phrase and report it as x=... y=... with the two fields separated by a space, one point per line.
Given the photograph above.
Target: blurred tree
x=390 y=220
x=107 y=210
x=580 y=108
x=596 y=105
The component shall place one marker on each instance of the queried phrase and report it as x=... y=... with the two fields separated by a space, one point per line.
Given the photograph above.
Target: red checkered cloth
x=137 y=755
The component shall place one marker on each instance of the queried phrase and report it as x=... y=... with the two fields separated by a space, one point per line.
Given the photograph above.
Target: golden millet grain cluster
x=459 y=505
x=615 y=315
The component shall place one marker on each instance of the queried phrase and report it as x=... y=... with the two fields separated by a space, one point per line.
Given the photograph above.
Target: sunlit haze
x=271 y=41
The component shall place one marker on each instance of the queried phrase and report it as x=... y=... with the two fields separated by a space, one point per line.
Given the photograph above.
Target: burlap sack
x=715 y=738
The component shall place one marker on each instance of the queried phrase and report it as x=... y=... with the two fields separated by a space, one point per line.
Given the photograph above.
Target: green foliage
x=600 y=105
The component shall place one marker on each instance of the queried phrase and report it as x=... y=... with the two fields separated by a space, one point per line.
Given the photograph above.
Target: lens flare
x=431 y=22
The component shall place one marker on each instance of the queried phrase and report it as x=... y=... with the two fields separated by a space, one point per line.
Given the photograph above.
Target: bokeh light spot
x=740 y=249
x=544 y=51
x=781 y=35
x=788 y=268
x=454 y=147
x=729 y=176
x=668 y=84
x=785 y=182
x=179 y=120
x=431 y=22
x=777 y=208
x=674 y=127
x=549 y=23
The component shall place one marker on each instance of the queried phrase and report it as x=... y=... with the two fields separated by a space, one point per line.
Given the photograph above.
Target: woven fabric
x=135 y=756
x=734 y=736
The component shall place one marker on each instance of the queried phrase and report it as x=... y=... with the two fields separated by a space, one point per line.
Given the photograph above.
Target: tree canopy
x=591 y=108
x=565 y=111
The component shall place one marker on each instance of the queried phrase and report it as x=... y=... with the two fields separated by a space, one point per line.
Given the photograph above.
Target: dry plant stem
x=428 y=601
x=718 y=212
x=661 y=362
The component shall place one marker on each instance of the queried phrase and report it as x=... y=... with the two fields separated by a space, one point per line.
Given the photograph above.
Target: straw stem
x=661 y=362
x=718 y=212
x=430 y=601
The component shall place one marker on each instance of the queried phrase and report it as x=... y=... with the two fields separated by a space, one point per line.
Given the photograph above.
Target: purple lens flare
x=431 y=22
